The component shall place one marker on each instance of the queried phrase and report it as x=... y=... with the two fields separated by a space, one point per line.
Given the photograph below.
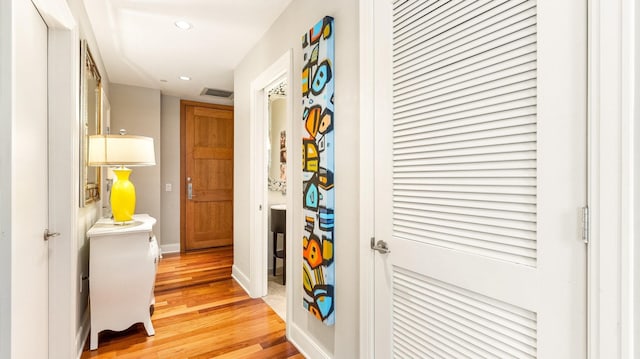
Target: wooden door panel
x=219 y=111
x=212 y=174
x=212 y=224
x=211 y=128
x=215 y=153
x=213 y=195
x=208 y=165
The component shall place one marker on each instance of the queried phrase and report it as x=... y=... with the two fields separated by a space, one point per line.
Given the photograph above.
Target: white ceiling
x=140 y=45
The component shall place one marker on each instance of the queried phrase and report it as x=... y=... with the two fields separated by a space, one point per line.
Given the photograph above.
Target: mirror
x=277 y=167
x=91 y=123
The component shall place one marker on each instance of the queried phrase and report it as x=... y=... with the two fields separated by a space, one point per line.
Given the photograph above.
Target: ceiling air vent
x=216 y=93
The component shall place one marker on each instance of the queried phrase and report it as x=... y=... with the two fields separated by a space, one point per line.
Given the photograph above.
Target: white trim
x=63 y=201
x=257 y=196
x=170 y=248
x=83 y=334
x=626 y=172
x=292 y=188
x=634 y=277
x=258 y=216
x=305 y=344
x=56 y=14
x=367 y=45
x=258 y=178
x=240 y=278
x=592 y=260
x=611 y=182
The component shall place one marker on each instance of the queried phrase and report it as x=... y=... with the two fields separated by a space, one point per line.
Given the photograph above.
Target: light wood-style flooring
x=201 y=312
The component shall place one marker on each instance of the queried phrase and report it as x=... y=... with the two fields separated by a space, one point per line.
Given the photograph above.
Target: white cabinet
x=123 y=261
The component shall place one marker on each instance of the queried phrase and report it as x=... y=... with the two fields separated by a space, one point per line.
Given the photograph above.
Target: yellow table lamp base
x=123 y=196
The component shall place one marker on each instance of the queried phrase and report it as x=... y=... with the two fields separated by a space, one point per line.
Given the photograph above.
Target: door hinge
x=586 y=219
x=48 y=234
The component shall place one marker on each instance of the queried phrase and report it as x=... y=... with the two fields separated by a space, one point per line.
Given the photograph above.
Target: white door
x=30 y=187
x=480 y=136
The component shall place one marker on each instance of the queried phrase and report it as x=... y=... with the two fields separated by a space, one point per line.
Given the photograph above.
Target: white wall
x=144 y=111
x=86 y=33
x=87 y=215
x=170 y=171
x=170 y=166
x=137 y=110
x=341 y=340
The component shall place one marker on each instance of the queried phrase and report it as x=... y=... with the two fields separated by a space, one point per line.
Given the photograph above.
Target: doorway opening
x=276 y=238
x=273 y=81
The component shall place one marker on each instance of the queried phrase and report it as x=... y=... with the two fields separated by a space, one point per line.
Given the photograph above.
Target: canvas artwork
x=318 y=170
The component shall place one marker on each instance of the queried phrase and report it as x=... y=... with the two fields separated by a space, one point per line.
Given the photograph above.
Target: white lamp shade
x=121 y=150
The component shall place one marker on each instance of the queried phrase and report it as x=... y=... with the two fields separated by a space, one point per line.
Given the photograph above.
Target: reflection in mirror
x=91 y=123
x=277 y=168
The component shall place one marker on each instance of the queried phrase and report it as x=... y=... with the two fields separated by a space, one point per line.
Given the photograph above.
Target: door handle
x=189 y=189
x=48 y=234
x=380 y=246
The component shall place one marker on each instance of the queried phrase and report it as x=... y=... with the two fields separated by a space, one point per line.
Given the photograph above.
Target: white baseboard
x=170 y=248
x=241 y=278
x=305 y=344
x=83 y=333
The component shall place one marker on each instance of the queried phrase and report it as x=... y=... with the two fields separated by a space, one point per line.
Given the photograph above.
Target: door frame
x=613 y=176
x=613 y=179
x=258 y=192
x=183 y=163
x=367 y=178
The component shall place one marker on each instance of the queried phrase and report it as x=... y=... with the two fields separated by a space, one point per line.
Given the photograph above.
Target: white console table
x=123 y=262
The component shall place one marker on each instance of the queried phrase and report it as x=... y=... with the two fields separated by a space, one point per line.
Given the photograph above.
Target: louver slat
x=464 y=136
x=496 y=19
x=453 y=322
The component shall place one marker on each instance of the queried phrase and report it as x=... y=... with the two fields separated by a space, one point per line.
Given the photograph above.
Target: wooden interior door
x=207 y=175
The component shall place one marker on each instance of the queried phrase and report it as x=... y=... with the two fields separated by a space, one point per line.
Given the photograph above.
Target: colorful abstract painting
x=318 y=270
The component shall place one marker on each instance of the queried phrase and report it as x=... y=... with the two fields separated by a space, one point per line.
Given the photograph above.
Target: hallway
x=201 y=312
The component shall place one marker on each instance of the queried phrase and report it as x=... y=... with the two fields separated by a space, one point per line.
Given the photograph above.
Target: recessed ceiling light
x=185 y=78
x=184 y=25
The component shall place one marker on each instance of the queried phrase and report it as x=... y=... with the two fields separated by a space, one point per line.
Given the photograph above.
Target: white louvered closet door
x=480 y=162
